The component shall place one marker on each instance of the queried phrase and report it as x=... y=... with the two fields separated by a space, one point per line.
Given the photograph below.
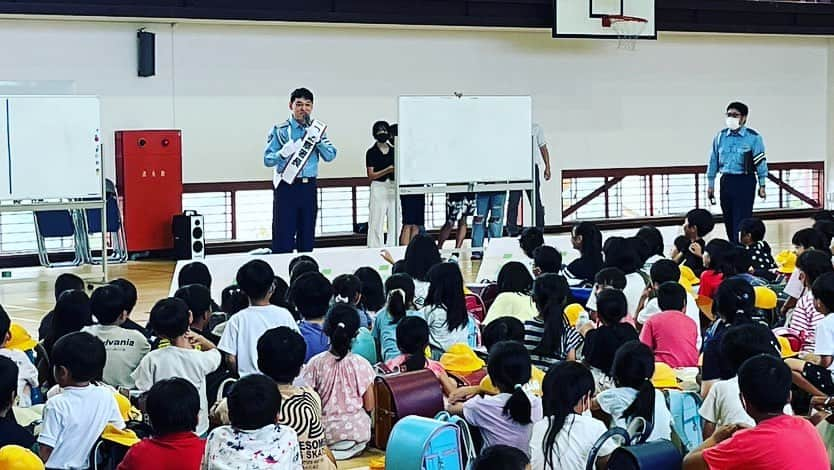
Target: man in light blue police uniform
x=738 y=153
x=294 y=205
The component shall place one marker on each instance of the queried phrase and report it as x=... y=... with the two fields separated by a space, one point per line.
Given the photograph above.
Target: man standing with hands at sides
x=294 y=204
x=738 y=153
x=379 y=163
x=542 y=157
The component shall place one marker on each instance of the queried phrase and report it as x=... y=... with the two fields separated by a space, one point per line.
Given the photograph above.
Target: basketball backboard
x=587 y=18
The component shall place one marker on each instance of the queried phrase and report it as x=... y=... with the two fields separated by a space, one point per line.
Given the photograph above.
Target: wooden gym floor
x=29 y=294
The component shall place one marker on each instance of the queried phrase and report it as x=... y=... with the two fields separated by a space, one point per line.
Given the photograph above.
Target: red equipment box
x=149 y=179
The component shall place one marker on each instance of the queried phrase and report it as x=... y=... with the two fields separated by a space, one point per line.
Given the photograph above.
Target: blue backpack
x=686 y=420
x=418 y=443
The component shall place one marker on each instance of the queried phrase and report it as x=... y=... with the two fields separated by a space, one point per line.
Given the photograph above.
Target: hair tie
x=518 y=387
x=397 y=291
x=340 y=325
x=340 y=298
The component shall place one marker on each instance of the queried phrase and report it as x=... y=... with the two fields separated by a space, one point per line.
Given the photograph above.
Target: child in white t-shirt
x=170 y=319
x=125 y=348
x=564 y=438
x=240 y=338
x=255 y=440
x=74 y=420
x=27 y=377
x=723 y=403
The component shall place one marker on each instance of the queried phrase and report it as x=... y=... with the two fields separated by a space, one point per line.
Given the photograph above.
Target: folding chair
x=92 y=226
x=57 y=224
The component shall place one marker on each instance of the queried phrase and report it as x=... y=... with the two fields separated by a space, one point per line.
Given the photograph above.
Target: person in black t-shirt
x=697 y=225
x=601 y=343
x=11 y=433
x=379 y=163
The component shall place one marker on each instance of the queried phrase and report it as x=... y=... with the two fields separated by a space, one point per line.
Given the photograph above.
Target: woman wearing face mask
x=738 y=153
x=379 y=161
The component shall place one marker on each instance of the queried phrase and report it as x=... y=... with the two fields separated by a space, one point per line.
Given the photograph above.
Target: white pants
x=382 y=206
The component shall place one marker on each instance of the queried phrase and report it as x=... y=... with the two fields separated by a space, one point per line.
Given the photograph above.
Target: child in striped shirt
x=548 y=336
x=805 y=316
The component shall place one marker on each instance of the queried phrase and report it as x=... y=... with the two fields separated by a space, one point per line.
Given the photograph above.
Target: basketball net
x=628 y=29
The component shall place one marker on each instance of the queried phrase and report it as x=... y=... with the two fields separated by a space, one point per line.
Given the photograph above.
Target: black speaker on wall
x=147 y=53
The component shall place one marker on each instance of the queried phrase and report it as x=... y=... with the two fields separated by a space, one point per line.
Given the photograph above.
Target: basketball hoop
x=628 y=29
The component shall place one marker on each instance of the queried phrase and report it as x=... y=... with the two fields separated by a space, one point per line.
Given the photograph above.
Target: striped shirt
x=533 y=333
x=805 y=319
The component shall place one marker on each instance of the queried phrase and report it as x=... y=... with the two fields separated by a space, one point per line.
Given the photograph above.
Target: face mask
x=381 y=137
x=733 y=123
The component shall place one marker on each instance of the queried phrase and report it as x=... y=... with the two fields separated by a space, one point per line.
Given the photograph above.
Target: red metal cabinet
x=149 y=179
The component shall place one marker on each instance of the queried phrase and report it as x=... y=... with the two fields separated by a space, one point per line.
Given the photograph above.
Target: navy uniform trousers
x=737 y=195
x=294 y=209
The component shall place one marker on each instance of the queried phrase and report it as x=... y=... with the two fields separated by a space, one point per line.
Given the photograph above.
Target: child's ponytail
x=510 y=369
x=341 y=326
x=634 y=367
x=412 y=340
x=400 y=289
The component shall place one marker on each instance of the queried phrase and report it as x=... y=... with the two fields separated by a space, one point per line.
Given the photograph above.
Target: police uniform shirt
x=731 y=152
x=375 y=159
x=291 y=129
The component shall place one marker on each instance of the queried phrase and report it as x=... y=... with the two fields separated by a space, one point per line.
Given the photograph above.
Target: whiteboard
x=446 y=139
x=50 y=147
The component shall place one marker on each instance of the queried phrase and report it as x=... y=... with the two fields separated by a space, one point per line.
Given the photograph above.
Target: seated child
x=816 y=377
x=129 y=295
x=503 y=457
x=778 y=441
x=514 y=285
x=347 y=288
x=412 y=340
x=74 y=419
x=805 y=317
x=27 y=373
x=679 y=248
x=634 y=394
x=803 y=240
x=508 y=329
x=653 y=239
x=546 y=259
x=11 y=433
x=587 y=239
x=125 y=348
x=174 y=446
x=400 y=292
x=311 y=294
x=718 y=265
x=506 y=418
x=255 y=440
x=697 y=225
x=373 y=293
x=752 y=233
x=240 y=338
x=233 y=300
x=565 y=437
x=300 y=406
x=671 y=334
x=613 y=278
x=344 y=381
x=196 y=272
x=170 y=319
x=198 y=299
x=445 y=310
x=548 y=336
x=667 y=271
x=530 y=239
x=601 y=343
x=63 y=283
x=723 y=404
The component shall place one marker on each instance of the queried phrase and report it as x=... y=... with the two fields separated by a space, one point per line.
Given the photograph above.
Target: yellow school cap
x=786 y=261
x=572 y=312
x=688 y=275
x=785 y=347
x=14 y=457
x=664 y=376
x=765 y=297
x=461 y=358
x=20 y=340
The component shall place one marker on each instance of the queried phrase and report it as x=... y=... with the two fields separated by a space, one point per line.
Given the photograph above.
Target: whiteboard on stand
x=49 y=147
x=468 y=139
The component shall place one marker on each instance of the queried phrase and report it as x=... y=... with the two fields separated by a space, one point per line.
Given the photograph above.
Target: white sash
x=299 y=151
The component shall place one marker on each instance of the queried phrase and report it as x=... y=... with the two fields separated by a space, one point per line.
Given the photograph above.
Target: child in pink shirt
x=671 y=334
x=344 y=381
x=412 y=341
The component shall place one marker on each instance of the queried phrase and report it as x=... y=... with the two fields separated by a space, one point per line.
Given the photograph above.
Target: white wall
x=224 y=85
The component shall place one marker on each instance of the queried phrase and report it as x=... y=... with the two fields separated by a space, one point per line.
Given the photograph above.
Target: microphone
x=307 y=120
